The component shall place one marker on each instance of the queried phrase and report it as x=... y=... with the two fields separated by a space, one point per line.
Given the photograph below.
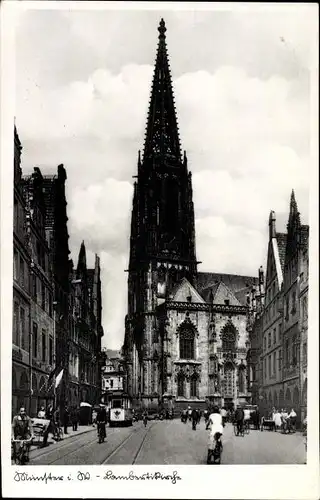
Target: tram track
x=124 y=442
x=48 y=451
x=107 y=459
x=84 y=445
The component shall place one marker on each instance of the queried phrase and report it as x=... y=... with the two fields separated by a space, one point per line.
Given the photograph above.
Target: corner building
x=186 y=337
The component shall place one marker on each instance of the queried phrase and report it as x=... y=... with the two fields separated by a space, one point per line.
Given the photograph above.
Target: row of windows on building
x=18 y=218
x=20 y=329
x=187 y=342
x=193 y=387
x=290 y=307
x=291 y=358
x=42 y=347
x=39 y=291
x=270 y=339
x=270 y=364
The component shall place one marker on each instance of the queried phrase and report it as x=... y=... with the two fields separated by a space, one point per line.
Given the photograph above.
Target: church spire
x=293 y=228
x=82 y=260
x=162 y=136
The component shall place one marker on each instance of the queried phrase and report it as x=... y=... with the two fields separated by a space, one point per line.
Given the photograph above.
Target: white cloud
x=243 y=110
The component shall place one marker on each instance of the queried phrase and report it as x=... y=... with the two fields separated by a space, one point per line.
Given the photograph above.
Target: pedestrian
x=206 y=416
x=194 y=418
x=239 y=418
x=49 y=412
x=65 y=419
x=293 y=419
x=41 y=412
x=223 y=413
x=277 y=420
x=199 y=415
x=74 y=418
x=189 y=413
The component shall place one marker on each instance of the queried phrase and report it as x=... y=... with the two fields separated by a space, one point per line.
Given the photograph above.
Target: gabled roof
x=239 y=285
x=219 y=293
x=183 y=290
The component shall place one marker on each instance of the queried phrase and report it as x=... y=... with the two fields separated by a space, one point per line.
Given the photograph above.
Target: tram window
x=116 y=403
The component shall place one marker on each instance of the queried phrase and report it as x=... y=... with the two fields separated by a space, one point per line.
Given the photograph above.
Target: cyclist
x=102 y=420
x=22 y=430
x=215 y=426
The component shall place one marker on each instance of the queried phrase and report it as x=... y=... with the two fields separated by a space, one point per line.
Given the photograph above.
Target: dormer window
x=227 y=302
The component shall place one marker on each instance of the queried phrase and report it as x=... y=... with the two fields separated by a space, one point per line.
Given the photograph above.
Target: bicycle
x=20 y=452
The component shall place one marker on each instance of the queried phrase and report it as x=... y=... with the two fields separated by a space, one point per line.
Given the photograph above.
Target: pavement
x=170 y=442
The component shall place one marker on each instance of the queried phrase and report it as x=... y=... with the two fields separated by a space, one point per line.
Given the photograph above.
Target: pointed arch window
x=194 y=386
x=181 y=386
x=229 y=339
x=187 y=343
x=241 y=379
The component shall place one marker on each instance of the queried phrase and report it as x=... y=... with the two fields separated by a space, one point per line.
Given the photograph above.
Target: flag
x=58 y=378
x=52 y=373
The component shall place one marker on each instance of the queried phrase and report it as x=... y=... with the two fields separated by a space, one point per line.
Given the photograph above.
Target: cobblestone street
x=170 y=442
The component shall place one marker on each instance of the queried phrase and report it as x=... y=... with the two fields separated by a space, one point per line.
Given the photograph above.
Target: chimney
x=272 y=225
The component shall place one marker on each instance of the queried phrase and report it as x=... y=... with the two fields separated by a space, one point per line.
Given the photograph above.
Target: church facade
x=186 y=332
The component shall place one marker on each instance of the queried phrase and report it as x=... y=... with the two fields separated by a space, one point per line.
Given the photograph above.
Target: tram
x=119 y=406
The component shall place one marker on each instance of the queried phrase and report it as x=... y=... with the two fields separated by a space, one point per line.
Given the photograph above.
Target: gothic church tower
x=162 y=242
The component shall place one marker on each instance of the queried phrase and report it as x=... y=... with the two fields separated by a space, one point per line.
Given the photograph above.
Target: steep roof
x=238 y=284
x=304 y=235
x=282 y=242
x=183 y=290
x=162 y=134
x=219 y=293
x=90 y=277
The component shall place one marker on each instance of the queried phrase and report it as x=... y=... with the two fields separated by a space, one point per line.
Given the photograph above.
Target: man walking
x=239 y=417
x=74 y=418
x=65 y=419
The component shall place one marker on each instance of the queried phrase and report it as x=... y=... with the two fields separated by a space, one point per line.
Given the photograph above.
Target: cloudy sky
x=242 y=88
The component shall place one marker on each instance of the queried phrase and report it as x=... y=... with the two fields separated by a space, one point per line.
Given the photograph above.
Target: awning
x=85 y=404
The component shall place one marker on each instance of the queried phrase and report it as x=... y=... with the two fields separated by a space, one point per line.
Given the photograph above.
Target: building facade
x=296 y=245
x=303 y=306
x=21 y=356
x=282 y=326
x=86 y=358
x=255 y=354
x=272 y=321
x=186 y=336
x=42 y=328
x=113 y=375
x=56 y=310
